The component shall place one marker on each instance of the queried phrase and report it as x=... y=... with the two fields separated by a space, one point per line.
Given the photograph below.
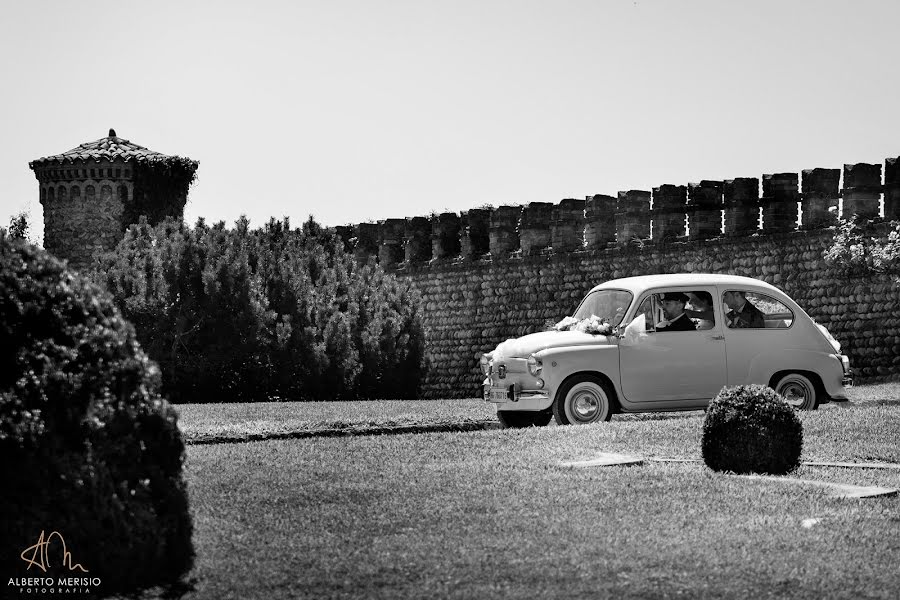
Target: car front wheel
x=516 y=419
x=798 y=391
x=582 y=400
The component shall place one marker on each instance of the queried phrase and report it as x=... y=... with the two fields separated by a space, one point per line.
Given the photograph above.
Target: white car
x=664 y=343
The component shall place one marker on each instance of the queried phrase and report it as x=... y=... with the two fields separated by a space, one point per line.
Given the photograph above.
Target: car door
x=660 y=366
x=748 y=343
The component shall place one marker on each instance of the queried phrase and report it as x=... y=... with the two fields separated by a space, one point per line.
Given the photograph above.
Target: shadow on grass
x=344 y=432
x=874 y=403
x=663 y=416
x=171 y=591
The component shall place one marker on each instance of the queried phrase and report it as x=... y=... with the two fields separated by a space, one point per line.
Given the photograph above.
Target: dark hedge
x=751 y=429
x=265 y=314
x=90 y=449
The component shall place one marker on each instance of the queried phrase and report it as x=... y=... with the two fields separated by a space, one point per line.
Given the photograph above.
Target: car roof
x=644 y=282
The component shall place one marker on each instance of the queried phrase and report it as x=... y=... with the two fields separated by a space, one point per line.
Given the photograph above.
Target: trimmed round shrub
x=751 y=429
x=90 y=449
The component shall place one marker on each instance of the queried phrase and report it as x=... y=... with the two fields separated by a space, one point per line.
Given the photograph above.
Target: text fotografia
x=51 y=585
x=39 y=555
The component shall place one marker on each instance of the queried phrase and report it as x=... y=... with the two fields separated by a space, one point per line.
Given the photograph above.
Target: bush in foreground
x=90 y=449
x=751 y=429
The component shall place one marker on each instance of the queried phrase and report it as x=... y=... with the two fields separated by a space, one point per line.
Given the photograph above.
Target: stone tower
x=91 y=194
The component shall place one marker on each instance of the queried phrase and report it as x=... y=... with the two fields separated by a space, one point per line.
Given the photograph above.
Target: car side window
x=752 y=310
x=675 y=310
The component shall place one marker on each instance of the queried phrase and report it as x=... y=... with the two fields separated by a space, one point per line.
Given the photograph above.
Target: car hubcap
x=795 y=394
x=586 y=405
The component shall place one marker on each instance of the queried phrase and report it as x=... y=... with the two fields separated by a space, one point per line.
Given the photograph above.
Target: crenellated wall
x=490 y=274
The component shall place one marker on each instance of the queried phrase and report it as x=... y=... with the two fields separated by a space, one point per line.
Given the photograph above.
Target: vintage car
x=664 y=343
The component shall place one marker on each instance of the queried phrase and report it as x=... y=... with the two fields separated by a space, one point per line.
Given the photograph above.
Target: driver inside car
x=673 y=305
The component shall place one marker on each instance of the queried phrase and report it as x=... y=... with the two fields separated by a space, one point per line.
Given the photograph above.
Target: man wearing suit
x=743 y=315
x=673 y=305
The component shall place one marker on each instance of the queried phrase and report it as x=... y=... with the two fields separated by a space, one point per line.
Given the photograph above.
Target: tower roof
x=110 y=148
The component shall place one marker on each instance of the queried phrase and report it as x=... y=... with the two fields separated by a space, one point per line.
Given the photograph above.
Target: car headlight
x=534 y=365
x=845 y=364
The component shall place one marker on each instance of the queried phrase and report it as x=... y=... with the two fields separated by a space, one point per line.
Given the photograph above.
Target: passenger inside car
x=700 y=310
x=743 y=314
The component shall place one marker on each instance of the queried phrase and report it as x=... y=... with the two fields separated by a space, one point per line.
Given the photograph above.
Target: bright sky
x=356 y=110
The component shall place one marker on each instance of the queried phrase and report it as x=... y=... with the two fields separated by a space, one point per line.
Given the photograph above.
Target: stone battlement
x=774 y=203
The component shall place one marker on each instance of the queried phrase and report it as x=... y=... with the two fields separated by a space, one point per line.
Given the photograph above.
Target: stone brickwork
x=704 y=209
x=534 y=227
x=820 y=197
x=475 y=238
x=418 y=240
x=600 y=221
x=84 y=193
x=445 y=236
x=504 y=231
x=862 y=189
x=669 y=202
x=632 y=217
x=391 y=242
x=892 y=188
x=567 y=225
x=741 y=201
x=83 y=209
x=779 y=201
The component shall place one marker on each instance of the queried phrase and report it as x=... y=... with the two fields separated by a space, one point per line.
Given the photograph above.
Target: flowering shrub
x=858 y=253
x=593 y=325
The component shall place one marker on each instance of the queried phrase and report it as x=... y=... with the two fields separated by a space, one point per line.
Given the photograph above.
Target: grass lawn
x=489 y=514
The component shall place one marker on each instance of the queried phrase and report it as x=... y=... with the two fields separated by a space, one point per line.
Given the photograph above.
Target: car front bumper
x=511 y=396
x=511 y=393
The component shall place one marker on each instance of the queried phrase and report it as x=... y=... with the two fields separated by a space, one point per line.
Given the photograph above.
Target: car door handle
x=717 y=337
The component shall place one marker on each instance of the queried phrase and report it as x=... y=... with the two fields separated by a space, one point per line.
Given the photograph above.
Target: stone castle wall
x=489 y=274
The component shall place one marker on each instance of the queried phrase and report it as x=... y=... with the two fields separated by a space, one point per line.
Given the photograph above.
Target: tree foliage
x=858 y=250
x=161 y=184
x=270 y=313
x=90 y=448
x=19 y=227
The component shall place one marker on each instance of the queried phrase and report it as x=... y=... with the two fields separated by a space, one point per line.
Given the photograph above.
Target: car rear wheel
x=799 y=391
x=516 y=419
x=583 y=400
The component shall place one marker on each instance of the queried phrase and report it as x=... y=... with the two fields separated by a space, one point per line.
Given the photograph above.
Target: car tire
x=582 y=400
x=799 y=391
x=517 y=419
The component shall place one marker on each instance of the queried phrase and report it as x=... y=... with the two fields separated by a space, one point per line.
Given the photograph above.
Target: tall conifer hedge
x=269 y=313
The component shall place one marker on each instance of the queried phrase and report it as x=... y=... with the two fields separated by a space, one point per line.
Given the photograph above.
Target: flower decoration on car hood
x=593 y=325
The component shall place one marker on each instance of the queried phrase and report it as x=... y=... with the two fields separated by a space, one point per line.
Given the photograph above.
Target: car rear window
x=761 y=312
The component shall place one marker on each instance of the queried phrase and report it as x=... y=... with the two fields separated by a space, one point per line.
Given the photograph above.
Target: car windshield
x=606 y=304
